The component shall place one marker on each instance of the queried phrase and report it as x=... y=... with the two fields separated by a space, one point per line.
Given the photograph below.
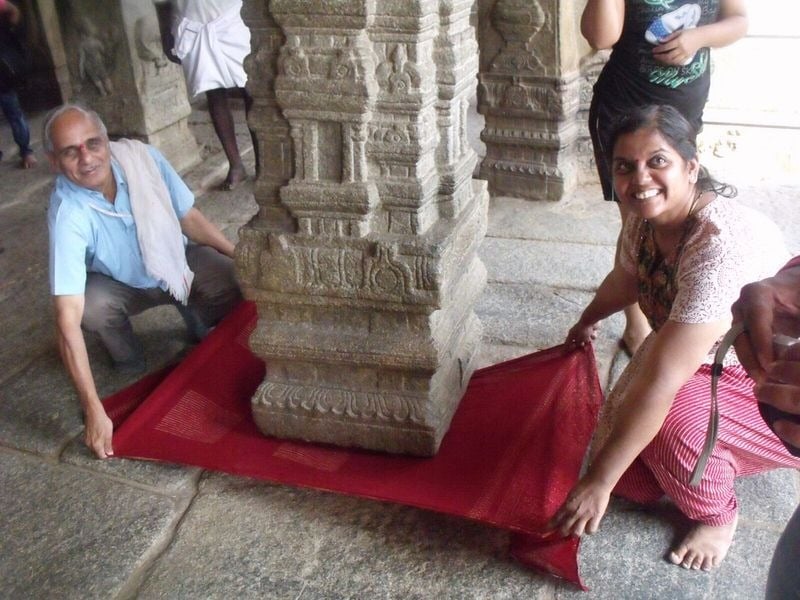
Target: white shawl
x=157 y=227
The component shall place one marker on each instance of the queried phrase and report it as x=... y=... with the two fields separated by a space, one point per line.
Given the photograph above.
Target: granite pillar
x=363 y=256
x=117 y=67
x=529 y=96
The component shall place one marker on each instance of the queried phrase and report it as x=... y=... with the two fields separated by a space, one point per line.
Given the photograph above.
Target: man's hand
x=766 y=307
x=583 y=509
x=99 y=430
x=781 y=389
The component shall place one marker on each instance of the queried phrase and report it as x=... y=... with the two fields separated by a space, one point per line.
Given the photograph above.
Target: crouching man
x=119 y=217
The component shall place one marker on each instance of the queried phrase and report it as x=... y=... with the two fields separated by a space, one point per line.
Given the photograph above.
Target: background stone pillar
x=364 y=265
x=529 y=96
x=118 y=68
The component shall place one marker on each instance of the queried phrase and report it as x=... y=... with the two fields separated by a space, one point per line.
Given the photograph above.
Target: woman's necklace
x=674 y=246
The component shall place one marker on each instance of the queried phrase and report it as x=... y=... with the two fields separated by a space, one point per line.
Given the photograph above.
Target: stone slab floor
x=74 y=527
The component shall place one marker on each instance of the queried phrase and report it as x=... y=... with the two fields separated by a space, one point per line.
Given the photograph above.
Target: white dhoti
x=212 y=54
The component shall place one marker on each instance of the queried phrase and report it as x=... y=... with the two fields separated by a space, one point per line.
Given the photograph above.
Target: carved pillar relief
x=528 y=94
x=118 y=68
x=323 y=89
x=403 y=135
x=366 y=295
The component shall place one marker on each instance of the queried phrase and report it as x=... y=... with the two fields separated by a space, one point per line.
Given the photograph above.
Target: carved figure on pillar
x=95 y=59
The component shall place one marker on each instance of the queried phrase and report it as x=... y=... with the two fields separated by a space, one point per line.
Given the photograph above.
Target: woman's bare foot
x=704 y=547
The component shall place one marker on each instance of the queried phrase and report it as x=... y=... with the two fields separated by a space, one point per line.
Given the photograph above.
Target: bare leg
x=222 y=119
x=636 y=326
x=704 y=547
x=248 y=104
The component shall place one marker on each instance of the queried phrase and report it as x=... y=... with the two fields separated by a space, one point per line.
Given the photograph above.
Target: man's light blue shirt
x=89 y=233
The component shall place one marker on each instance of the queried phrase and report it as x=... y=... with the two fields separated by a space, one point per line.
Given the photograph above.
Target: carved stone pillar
x=118 y=68
x=529 y=96
x=364 y=266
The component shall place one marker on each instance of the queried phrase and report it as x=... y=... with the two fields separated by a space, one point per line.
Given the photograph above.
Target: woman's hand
x=583 y=509
x=678 y=48
x=581 y=334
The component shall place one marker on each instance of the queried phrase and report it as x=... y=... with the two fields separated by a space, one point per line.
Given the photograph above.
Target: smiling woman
x=685 y=252
x=653 y=179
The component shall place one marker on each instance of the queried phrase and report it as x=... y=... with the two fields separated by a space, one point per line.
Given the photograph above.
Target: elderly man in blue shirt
x=119 y=220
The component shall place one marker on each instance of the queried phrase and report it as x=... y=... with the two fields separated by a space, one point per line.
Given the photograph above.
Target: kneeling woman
x=686 y=250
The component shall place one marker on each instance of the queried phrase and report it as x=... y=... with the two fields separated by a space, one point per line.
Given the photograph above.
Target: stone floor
x=75 y=527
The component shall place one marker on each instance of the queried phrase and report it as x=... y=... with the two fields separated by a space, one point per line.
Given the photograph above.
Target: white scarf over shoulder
x=157 y=227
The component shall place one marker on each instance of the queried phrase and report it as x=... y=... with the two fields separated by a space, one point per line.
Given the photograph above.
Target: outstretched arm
x=99 y=429
x=602 y=21
x=617 y=291
x=676 y=353
x=682 y=45
x=202 y=231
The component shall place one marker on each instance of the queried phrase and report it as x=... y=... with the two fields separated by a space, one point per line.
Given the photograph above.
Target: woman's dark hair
x=679 y=133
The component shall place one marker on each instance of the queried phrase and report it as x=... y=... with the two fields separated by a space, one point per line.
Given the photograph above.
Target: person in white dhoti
x=211 y=41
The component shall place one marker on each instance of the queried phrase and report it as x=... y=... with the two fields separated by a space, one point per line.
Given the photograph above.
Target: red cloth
x=513 y=451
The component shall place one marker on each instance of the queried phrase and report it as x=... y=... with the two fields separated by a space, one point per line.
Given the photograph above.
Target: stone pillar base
x=363 y=371
x=386 y=419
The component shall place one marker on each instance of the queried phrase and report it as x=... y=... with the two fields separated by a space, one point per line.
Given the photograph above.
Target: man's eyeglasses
x=92 y=145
